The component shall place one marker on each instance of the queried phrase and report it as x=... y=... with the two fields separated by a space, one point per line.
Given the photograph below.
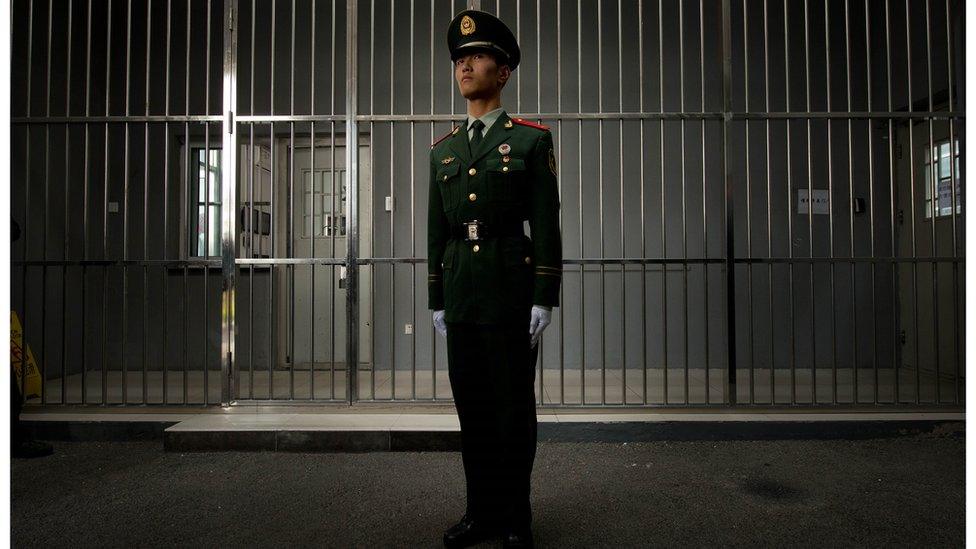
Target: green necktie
x=476 y=137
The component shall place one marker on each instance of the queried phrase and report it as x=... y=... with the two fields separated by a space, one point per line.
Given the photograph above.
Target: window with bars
x=204 y=219
x=323 y=215
x=944 y=174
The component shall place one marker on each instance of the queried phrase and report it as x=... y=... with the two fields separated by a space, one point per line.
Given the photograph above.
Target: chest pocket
x=505 y=179
x=447 y=178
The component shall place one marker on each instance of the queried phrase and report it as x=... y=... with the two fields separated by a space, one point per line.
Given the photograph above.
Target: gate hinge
x=230 y=121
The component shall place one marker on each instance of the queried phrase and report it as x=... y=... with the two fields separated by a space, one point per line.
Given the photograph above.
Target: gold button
x=472 y=171
x=442 y=265
x=445 y=178
x=505 y=169
x=528 y=259
x=472 y=197
x=476 y=248
x=505 y=159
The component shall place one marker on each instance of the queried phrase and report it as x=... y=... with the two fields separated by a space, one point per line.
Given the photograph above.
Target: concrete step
x=437 y=429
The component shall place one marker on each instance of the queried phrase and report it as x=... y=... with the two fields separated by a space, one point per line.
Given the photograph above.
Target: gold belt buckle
x=473 y=229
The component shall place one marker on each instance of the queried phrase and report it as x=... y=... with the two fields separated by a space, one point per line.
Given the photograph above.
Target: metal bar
x=664 y=243
x=186 y=203
x=332 y=150
x=145 y=214
x=643 y=238
x=372 y=234
x=620 y=168
x=228 y=172
x=729 y=251
x=291 y=213
x=813 y=315
x=701 y=64
x=684 y=210
x=47 y=208
x=850 y=195
x=752 y=331
x=27 y=186
x=311 y=217
x=559 y=132
x=891 y=176
x=84 y=270
x=789 y=188
x=952 y=205
x=165 y=277
x=830 y=213
x=430 y=64
x=125 y=204
x=874 y=294
x=709 y=115
x=603 y=273
x=413 y=217
x=273 y=334
x=108 y=93
x=934 y=205
x=911 y=167
x=67 y=220
x=579 y=165
x=769 y=200
x=392 y=35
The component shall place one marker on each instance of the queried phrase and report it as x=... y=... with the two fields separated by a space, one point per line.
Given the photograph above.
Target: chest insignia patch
x=447 y=160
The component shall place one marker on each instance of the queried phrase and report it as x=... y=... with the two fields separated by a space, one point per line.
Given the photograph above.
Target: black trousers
x=492 y=373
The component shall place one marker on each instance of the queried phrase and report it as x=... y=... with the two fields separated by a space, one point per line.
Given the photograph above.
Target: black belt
x=479 y=230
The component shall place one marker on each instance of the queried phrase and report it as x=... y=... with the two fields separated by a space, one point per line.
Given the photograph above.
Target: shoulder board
x=524 y=122
x=448 y=134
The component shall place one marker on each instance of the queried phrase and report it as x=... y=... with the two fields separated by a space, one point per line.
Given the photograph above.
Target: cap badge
x=467 y=25
x=504 y=148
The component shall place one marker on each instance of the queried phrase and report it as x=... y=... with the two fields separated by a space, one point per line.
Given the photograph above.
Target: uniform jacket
x=498 y=279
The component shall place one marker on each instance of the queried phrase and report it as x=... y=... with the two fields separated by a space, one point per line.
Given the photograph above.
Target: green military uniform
x=486 y=274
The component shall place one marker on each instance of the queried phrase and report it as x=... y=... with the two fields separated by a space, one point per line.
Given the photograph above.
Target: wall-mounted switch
x=389 y=203
x=113 y=207
x=408 y=328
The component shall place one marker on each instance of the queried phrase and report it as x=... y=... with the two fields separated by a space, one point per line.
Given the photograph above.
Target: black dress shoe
x=468 y=532
x=521 y=537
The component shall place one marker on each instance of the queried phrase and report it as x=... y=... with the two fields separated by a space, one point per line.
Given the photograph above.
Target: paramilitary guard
x=492 y=288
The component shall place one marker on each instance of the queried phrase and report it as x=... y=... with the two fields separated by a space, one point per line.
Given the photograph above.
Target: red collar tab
x=448 y=134
x=523 y=122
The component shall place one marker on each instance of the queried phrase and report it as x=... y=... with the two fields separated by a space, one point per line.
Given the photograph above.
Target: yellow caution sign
x=33 y=388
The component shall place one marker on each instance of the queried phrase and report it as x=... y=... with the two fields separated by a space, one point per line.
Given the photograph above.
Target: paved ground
x=904 y=491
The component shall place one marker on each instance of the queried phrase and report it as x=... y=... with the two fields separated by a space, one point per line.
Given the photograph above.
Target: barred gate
x=761 y=201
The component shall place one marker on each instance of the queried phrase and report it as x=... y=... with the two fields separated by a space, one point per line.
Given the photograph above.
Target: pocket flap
x=448 y=171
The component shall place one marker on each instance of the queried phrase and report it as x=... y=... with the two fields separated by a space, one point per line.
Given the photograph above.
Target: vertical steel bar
x=47 y=209
x=891 y=175
x=145 y=213
x=684 y=211
x=603 y=272
x=934 y=205
x=430 y=64
x=108 y=93
x=830 y=213
x=85 y=198
x=165 y=272
x=729 y=251
x=250 y=219
x=789 y=188
x=952 y=204
x=559 y=132
x=874 y=295
x=701 y=65
x=228 y=210
x=273 y=356
x=620 y=168
x=186 y=203
x=911 y=168
x=392 y=195
x=291 y=207
x=27 y=186
x=664 y=243
x=125 y=203
x=67 y=218
x=769 y=221
x=752 y=327
x=413 y=223
x=352 y=199
x=643 y=237
x=311 y=217
x=813 y=310
x=579 y=175
x=332 y=307
x=372 y=233
x=850 y=194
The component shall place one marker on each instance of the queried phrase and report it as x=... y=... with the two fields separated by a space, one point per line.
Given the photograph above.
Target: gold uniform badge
x=552 y=161
x=467 y=25
x=447 y=160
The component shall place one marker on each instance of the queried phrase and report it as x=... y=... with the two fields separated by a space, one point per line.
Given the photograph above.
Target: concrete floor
x=905 y=492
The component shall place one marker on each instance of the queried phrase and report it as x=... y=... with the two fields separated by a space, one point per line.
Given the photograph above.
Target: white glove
x=439 y=323
x=541 y=316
